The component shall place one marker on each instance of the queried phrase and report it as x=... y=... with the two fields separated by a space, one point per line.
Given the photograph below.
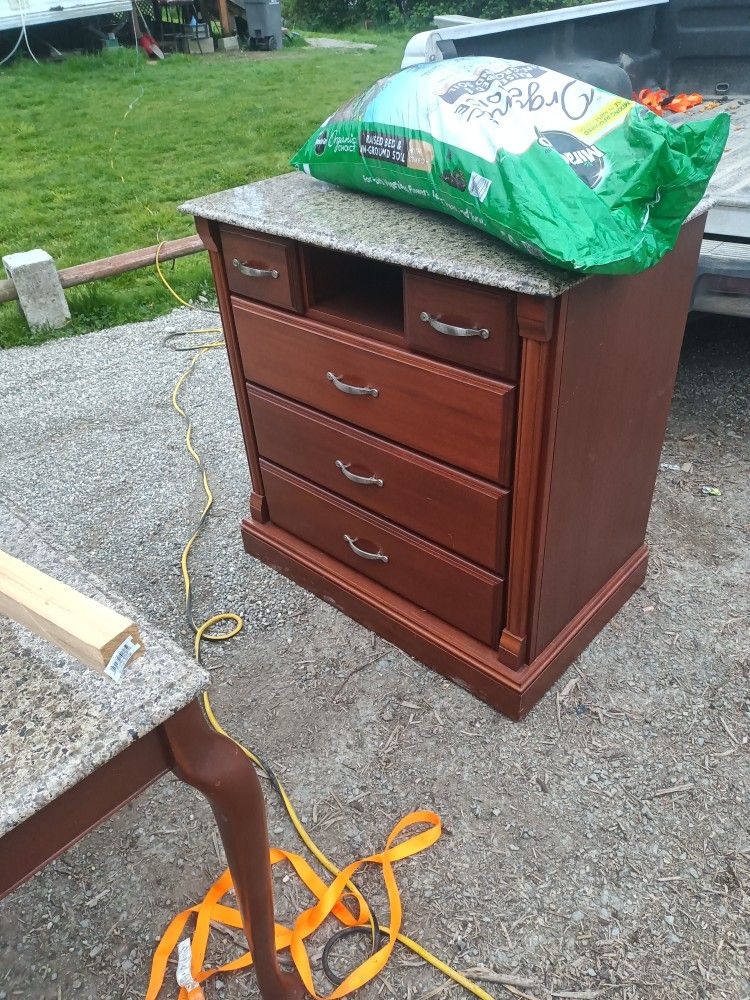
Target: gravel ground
x=599 y=848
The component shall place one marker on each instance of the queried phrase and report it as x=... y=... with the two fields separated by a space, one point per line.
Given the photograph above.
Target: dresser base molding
x=469 y=663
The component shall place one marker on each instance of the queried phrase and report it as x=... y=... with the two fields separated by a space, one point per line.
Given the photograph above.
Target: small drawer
x=437 y=581
x=464 y=514
x=466 y=324
x=461 y=418
x=262 y=268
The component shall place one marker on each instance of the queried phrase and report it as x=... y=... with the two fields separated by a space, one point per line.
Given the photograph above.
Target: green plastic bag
x=555 y=167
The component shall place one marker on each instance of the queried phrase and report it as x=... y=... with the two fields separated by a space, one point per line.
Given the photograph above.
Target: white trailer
x=14 y=14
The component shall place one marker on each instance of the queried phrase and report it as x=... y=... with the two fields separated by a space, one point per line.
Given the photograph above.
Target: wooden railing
x=108 y=267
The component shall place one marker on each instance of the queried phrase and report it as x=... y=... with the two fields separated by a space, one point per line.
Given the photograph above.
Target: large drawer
x=460 y=417
x=466 y=515
x=445 y=585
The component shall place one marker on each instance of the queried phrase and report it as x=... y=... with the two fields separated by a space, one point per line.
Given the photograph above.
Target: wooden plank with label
x=93 y=633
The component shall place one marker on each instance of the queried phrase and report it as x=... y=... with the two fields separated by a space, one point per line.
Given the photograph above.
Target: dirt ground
x=600 y=848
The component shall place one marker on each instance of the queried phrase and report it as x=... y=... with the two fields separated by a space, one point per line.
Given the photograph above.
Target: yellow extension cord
x=202 y=633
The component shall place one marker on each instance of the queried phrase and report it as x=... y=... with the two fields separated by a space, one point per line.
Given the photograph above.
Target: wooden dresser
x=452 y=443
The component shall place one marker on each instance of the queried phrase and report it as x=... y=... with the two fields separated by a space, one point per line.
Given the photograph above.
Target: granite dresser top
x=59 y=719
x=299 y=207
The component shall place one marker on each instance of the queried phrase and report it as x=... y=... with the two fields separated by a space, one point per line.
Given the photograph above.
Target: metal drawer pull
x=353 y=390
x=455 y=331
x=254 y=272
x=362 y=553
x=361 y=480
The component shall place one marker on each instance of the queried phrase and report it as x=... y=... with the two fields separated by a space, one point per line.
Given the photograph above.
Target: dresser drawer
x=462 y=323
x=451 y=588
x=262 y=268
x=462 y=513
x=461 y=418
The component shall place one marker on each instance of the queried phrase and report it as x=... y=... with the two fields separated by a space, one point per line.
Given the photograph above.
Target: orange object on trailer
x=660 y=100
x=683 y=102
x=652 y=99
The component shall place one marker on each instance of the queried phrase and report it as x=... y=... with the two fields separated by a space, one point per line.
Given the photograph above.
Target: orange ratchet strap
x=652 y=99
x=329 y=902
x=659 y=100
x=683 y=102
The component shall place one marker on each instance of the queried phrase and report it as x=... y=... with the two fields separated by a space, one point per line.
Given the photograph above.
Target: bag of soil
x=553 y=166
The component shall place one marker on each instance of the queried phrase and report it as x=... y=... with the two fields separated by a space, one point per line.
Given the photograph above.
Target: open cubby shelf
x=368 y=294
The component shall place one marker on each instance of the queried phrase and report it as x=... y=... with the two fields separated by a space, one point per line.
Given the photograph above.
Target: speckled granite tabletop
x=302 y=208
x=60 y=720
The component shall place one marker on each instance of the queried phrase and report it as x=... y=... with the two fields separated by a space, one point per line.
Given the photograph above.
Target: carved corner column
x=538 y=325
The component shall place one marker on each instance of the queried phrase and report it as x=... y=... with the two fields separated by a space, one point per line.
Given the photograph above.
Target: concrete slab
x=230 y=44
x=198 y=46
x=40 y=294
x=338 y=43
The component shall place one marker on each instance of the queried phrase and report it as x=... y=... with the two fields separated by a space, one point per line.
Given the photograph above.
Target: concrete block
x=230 y=44
x=40 y=294
x=197 y=46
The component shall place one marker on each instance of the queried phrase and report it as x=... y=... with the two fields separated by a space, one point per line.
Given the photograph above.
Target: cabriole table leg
x=218 y=769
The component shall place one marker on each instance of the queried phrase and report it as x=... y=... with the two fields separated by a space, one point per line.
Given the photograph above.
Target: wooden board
x=77 y=624
x=120 y=263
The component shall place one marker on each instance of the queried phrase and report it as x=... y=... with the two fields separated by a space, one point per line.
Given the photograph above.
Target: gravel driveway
x=600 y=848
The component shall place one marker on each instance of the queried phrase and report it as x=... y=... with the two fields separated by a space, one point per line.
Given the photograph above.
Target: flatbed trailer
x=722 y=283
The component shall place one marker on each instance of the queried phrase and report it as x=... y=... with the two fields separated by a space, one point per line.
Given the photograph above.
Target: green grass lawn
x=98 y=151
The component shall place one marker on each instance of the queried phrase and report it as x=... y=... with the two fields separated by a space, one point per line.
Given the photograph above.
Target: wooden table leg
x=219 y=770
